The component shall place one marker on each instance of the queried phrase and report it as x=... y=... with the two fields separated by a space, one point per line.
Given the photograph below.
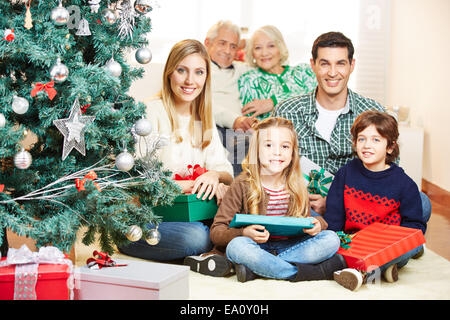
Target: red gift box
x=379 y=244
x=51 y=282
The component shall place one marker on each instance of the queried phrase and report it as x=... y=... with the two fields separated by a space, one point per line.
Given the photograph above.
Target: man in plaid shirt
x=324 y=117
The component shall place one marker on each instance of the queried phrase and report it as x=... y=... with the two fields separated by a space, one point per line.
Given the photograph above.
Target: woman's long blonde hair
x=295 y=183
x=201 y=123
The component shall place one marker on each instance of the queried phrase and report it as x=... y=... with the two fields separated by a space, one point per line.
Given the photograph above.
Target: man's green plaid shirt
x=303 y=113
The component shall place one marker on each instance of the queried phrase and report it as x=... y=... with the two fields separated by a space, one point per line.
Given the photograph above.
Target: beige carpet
x=425 y=278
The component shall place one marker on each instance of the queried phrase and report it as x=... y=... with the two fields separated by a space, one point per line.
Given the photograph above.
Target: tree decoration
x=28 y=19
x=134 y=233
x=124 y=161
x=109 y=16
x=50 y=199
x=142 y=6
x=59 y=71
x=113 y=67
x=95 y=5
x=73 y=129
x=83 y=28
x=143 y=55
x=127 y=18
x=20 y=105
x=9 y=35
x=2 y=120
x=60 y=15
x=22 y=159
x=153 y=237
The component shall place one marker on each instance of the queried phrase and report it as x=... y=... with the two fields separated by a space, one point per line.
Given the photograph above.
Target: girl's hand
x=221 y=191
x=258 y=106
x=315 y=229
x=206 y=184
x=257 y=233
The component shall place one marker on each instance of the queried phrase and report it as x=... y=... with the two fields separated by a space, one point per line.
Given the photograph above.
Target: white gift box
x=139 y=280
x=307 y=166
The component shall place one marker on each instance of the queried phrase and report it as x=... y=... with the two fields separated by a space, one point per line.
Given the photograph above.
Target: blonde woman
x=272 y=80
x=271 y=184
x=183 y=113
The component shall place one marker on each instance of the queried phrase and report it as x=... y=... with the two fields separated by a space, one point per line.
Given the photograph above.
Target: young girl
x=271 y=184
x=183 y=113
x=372 y=188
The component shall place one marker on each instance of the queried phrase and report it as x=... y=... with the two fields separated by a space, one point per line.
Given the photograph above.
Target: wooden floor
x=438 y=229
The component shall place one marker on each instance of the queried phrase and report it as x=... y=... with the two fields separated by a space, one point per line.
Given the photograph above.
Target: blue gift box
x=276 y=225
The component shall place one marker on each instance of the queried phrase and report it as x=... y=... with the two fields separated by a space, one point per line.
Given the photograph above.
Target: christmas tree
x=64 y=81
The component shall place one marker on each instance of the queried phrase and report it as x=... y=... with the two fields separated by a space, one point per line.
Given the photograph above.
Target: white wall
x=418 y=77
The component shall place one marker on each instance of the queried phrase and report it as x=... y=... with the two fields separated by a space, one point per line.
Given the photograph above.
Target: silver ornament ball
x=114 y=68
x=60 y=15
x=2 y=120
x=153 y=237
x=143 y=55
x=59 y=71
x=22 y=159
x=143 y=127
x=134 y=233
x=109 y=16
x=142 y=6
x=124 y=161
x=20 y=105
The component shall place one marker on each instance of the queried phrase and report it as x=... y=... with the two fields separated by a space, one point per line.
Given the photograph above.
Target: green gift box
x=187 y=207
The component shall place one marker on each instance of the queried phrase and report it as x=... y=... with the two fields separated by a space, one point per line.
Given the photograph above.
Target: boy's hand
x=318 y=203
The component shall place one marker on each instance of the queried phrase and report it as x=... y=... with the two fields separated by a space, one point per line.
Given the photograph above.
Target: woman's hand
x=258 y=106
x=257 y=233
x=206 y=184
x=315 y=229
x=185 y=185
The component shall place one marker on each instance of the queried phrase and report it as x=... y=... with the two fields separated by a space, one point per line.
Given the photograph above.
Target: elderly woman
x=273 y=80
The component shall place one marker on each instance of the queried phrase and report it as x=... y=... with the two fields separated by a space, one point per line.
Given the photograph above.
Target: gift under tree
x=64 y=80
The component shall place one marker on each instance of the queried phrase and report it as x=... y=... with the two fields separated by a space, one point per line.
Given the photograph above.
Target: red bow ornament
x=192 y=173
x=2 y=186
x=85 y=107
x=79 y=183
x=103 y=260
x=47 y=87
x=9 y=35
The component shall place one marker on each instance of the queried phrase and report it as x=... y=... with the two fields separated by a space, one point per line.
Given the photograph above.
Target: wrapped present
x=318 y=180
x=135 y=280
x=187 y=207
x=379 y=244
x=43 y=275
x=276 y=225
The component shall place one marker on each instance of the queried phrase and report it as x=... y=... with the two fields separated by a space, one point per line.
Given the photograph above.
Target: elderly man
x=222 y=42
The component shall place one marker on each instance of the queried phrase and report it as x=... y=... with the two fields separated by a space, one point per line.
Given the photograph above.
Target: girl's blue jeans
x=259 y=257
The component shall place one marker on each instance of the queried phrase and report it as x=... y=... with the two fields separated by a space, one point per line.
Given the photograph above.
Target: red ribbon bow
x=2 y=186
x=84 y=108
x=192 y=173
x=79 y=183
x=48 y=87
x=102 y=260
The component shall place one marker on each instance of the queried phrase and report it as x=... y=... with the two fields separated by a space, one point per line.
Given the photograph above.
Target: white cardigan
x=177 y=156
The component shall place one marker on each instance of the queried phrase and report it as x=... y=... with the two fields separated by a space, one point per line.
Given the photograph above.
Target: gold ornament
x=28 y=20
x=134 y=233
